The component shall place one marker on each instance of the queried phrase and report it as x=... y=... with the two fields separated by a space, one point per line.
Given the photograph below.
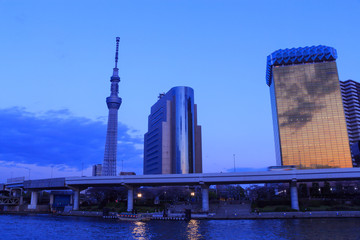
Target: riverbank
x=212 y=216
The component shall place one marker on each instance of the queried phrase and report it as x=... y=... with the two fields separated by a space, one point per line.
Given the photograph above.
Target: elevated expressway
x=207 y=179
x=203 y=179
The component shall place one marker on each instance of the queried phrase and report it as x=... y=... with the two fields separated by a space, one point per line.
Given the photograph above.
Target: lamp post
x=165 y=208
x=234 y=162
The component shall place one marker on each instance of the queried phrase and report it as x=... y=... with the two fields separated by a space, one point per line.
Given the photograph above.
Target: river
x=46 y=227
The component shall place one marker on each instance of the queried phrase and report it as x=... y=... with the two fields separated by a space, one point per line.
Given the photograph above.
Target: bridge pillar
x=76 y=199
x=294 y=195
x=130 y=201
x=34 y=200
x=51 y=199
x=205 y=197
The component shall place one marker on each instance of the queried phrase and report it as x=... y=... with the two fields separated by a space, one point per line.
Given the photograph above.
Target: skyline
x=57 y=59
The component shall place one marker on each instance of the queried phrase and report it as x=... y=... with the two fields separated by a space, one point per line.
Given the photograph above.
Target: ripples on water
x=58 y=227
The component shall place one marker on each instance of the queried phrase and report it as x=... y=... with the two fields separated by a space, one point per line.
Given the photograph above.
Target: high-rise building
x=96 y=170
x=173 y=141
x=113 y=103
x=350 y=91
x=308 y=116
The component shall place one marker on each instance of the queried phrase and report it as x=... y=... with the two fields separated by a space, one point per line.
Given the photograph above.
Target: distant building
x=351 y=99
x=350 y=91
x=127 y=173
x=355 y=153
x=173 y=141
x=96 y=170
x=308 y=116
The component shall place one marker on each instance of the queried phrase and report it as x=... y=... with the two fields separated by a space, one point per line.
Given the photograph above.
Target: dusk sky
x=56 y=59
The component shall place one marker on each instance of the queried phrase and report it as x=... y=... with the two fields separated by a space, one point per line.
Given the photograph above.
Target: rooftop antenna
x=116 y=70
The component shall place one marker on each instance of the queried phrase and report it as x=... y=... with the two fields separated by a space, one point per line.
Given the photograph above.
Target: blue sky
x=56 y=59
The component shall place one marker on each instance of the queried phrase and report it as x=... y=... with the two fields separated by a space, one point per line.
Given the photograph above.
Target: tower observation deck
x=113 y=103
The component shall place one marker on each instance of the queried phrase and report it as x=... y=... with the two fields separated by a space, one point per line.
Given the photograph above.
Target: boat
x=133 y=217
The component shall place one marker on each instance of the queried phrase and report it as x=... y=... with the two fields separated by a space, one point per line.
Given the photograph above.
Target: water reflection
x=192 y=230
x=139 y=230
x=64 y=228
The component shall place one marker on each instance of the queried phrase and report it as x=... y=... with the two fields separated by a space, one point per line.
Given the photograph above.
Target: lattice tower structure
x=113 y=103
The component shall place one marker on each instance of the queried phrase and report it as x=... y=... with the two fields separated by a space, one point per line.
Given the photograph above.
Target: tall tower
x=308 y=115
x=113 y=103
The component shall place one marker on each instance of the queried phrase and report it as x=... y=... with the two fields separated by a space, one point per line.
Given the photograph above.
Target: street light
x=192 y=194
x=234 y=163
x=139 y=195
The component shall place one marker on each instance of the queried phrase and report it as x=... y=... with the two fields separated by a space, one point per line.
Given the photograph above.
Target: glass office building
x=308 y=115
x=173 y=141
x=350 y=91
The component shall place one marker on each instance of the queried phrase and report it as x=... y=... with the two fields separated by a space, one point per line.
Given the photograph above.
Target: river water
x=61 y=227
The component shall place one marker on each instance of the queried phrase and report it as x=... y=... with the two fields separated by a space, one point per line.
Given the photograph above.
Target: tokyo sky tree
x=113 y=103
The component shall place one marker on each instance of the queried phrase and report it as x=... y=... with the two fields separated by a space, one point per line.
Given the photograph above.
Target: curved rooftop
x=291 y=56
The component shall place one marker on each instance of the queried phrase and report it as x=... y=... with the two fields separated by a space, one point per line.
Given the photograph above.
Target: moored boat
x=132 y=217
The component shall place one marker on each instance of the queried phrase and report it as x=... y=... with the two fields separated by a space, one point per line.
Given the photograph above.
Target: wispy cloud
x=57 y=138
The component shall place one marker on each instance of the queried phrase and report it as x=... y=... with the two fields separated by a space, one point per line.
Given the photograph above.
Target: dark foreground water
x=51 y=227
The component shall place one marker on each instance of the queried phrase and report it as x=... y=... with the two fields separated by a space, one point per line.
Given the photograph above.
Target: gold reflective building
x=309 y=121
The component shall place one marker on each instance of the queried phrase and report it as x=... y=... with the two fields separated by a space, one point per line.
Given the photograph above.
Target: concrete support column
x=130 y=201
x=21 y=201
x=294 y=195
x=51 y=199
x=76 y=199
x=34 y=200
x=205 y=197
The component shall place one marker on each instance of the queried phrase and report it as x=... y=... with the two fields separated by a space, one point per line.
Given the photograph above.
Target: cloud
x=59 y=139
x=33 y=171
x=244 y=169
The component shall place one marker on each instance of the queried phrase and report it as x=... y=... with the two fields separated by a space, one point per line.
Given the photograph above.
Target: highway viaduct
x=78 y=184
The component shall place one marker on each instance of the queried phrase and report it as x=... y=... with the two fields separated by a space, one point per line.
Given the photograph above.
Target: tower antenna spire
x=117 y=51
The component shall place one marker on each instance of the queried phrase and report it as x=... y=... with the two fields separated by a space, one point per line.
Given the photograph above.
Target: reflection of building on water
x=140 y=231
x=192 y=230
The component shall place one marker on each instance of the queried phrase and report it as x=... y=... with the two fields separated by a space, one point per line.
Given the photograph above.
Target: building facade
x=172 y=144
x=96 y=170
x=113 y=103
x=308 y=116
x=350 y=91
